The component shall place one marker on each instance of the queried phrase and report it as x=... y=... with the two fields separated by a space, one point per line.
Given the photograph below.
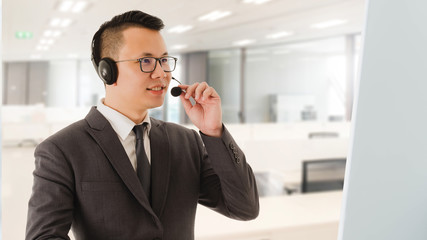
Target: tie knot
x=139 y=130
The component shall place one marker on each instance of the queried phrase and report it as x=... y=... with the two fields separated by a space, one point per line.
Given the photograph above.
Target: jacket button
x=232 y=146
x=238 y=160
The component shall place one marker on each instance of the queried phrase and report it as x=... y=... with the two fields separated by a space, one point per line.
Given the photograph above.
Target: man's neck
x=137 y=116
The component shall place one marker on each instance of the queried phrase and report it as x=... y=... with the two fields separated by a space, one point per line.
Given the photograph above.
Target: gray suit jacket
x=84 y=180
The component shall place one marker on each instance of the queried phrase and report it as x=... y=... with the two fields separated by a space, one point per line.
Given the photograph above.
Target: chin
x=156 y=104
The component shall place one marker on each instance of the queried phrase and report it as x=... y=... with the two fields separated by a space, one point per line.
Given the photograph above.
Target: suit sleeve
x=50 y=209
x=227 y=182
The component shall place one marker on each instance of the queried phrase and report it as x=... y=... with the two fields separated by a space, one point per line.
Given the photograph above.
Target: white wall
x=91 y=88
x=73 y=83
x=62 y=83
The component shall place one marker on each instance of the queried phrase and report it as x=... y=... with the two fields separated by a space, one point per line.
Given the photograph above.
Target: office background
x=285 y=71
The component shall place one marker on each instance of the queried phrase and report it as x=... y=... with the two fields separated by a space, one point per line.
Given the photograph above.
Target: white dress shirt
x=123 y=126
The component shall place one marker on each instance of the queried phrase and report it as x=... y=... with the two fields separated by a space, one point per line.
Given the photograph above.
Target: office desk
x=297 y=217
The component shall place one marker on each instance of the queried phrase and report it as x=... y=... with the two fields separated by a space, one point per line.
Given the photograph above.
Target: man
x=105 y=178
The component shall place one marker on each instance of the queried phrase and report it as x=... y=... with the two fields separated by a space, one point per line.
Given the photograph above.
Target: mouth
x=157 y=88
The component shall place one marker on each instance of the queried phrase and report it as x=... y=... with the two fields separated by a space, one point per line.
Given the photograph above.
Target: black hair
x=119 y=23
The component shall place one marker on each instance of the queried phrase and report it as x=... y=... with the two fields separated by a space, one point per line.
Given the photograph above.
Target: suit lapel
x=160 y=165
x=107 y=139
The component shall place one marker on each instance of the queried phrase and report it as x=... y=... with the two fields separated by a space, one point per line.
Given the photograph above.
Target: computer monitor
x=322 y=175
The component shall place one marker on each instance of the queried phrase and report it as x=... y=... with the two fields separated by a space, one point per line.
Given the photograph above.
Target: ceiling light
x=72 y=6
x=65 y=6
x=279 y=35
x=47 y=33
x=44 y=41
x=52 y=33
x=179 y=46
x=215 y=15
x=328 y=24
x=65 y=22
x=42 y=48
x=244 y=42
x=56 y=33
x=58 y=22
x=258 y=2
x=180 y=29
x=79 y=6
x=55 y=22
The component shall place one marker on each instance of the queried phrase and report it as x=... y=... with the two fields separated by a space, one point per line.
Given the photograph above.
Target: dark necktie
x=143 y=169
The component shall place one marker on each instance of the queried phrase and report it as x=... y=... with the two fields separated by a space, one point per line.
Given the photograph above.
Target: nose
x=158 y=71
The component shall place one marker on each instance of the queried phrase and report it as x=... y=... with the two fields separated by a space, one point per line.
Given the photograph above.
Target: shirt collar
x=121 y=124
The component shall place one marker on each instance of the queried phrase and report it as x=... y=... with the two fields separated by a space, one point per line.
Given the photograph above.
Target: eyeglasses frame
x=155 y=65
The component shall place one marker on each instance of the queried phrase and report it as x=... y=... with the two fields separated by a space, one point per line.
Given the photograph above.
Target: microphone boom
x=176 y=91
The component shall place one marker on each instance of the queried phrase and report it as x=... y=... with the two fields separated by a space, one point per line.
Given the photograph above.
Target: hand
x=206 y=114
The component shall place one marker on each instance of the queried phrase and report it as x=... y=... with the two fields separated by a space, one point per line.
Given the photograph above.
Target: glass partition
x=224 y=67
x=294 y=82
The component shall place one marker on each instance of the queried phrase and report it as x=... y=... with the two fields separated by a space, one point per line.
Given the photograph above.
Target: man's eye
x=146 y=60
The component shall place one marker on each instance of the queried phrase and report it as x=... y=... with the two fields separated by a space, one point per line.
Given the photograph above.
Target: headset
x=106 y=67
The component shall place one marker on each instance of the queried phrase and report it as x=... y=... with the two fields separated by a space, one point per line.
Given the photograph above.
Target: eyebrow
x=151 y=55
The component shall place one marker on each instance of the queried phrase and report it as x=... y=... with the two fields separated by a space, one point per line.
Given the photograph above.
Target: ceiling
x=247 y=21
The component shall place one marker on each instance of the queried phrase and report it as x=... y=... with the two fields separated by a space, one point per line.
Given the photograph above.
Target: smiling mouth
x=156 y=88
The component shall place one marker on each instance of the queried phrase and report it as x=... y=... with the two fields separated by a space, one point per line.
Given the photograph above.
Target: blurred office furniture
x=323 y=135
x=51 y=119
x=270 y=183
x=312 y=216
x=29 y=125
x=275 y=150
x=323 y=175
x=268 y=146
x=286 y=155
x=308 y=113
x=292 y=108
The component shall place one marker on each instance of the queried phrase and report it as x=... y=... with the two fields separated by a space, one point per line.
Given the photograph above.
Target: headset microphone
x=176 y=91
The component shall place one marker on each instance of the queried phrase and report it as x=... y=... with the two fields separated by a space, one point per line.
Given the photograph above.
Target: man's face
x=140 y=90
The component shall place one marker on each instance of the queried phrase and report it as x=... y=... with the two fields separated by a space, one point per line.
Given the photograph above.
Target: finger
x=209 y=92
x=190 y=90
x=186 y=103
x=183 y=87
x=200 y=89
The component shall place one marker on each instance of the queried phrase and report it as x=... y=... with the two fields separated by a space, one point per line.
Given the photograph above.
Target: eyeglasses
x=149 y=64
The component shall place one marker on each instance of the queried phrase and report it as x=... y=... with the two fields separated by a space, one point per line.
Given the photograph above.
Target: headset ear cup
x=107 y=71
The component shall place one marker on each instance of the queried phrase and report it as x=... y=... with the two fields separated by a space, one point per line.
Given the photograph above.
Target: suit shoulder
x=69 y=133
